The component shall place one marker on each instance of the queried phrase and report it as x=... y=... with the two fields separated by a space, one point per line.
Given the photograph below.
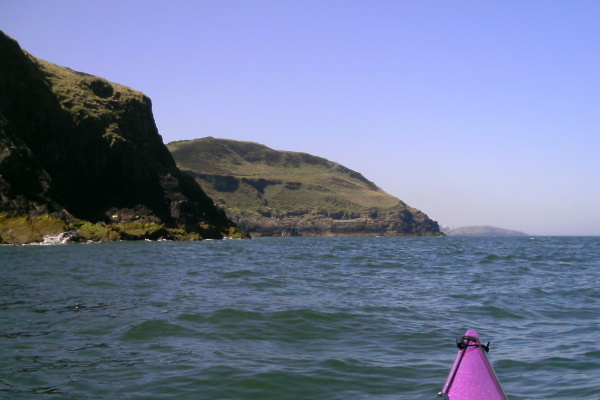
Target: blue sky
x=475 y=112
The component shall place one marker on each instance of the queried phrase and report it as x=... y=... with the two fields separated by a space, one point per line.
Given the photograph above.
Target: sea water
x=297 y=318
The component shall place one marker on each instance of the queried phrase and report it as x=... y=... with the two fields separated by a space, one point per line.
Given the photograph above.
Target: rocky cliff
x=75 y=147
x=274 y=193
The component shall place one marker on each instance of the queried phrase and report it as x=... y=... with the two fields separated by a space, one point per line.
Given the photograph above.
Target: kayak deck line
x=472 y=377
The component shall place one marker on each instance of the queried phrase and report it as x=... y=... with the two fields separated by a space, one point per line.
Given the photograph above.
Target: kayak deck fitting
x=472 y=376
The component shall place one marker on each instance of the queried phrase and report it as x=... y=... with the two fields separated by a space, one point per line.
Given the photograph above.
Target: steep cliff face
x=274 y=193
x=76 y=146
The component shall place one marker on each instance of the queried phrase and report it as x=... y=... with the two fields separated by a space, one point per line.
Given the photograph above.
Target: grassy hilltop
x=270 y=192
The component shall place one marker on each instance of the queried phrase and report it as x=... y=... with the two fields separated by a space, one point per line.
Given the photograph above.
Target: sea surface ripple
x=297 y=318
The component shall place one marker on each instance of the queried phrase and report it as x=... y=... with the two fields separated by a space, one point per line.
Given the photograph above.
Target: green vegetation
x=90 y=100
x=25 y=229
x=249 y=178
x=84 y=95
x=270 y=192
x=101 y=232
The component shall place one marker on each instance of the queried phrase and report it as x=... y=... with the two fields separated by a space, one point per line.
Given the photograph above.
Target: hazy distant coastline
x=481 y=231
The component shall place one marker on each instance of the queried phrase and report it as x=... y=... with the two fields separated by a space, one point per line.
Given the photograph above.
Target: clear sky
x=475 y=112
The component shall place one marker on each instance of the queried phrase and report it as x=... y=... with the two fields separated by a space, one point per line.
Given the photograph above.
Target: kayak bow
x=472 y=376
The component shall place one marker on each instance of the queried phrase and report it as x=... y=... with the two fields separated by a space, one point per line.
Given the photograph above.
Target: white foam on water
x=61 y=238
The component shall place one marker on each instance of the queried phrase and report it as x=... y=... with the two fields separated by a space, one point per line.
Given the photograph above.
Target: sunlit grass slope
x=252 y=180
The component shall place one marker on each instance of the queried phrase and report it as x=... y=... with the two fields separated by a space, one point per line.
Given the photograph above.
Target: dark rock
x=79 y=147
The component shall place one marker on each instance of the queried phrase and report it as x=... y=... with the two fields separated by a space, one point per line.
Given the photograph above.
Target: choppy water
x=297 y=318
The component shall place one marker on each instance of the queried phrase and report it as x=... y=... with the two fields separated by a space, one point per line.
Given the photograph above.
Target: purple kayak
x=472 y=376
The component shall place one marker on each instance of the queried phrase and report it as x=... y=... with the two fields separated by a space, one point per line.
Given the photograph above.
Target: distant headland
x=269 y=192
x=481 y=231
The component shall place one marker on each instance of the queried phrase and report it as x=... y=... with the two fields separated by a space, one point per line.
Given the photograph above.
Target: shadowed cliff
x=77 y=147
x=269 y=192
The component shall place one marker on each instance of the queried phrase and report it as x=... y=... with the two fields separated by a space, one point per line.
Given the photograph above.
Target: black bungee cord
x=463 y=343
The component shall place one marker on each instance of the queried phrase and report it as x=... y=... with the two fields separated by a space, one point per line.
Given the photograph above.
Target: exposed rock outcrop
x=77 y=147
